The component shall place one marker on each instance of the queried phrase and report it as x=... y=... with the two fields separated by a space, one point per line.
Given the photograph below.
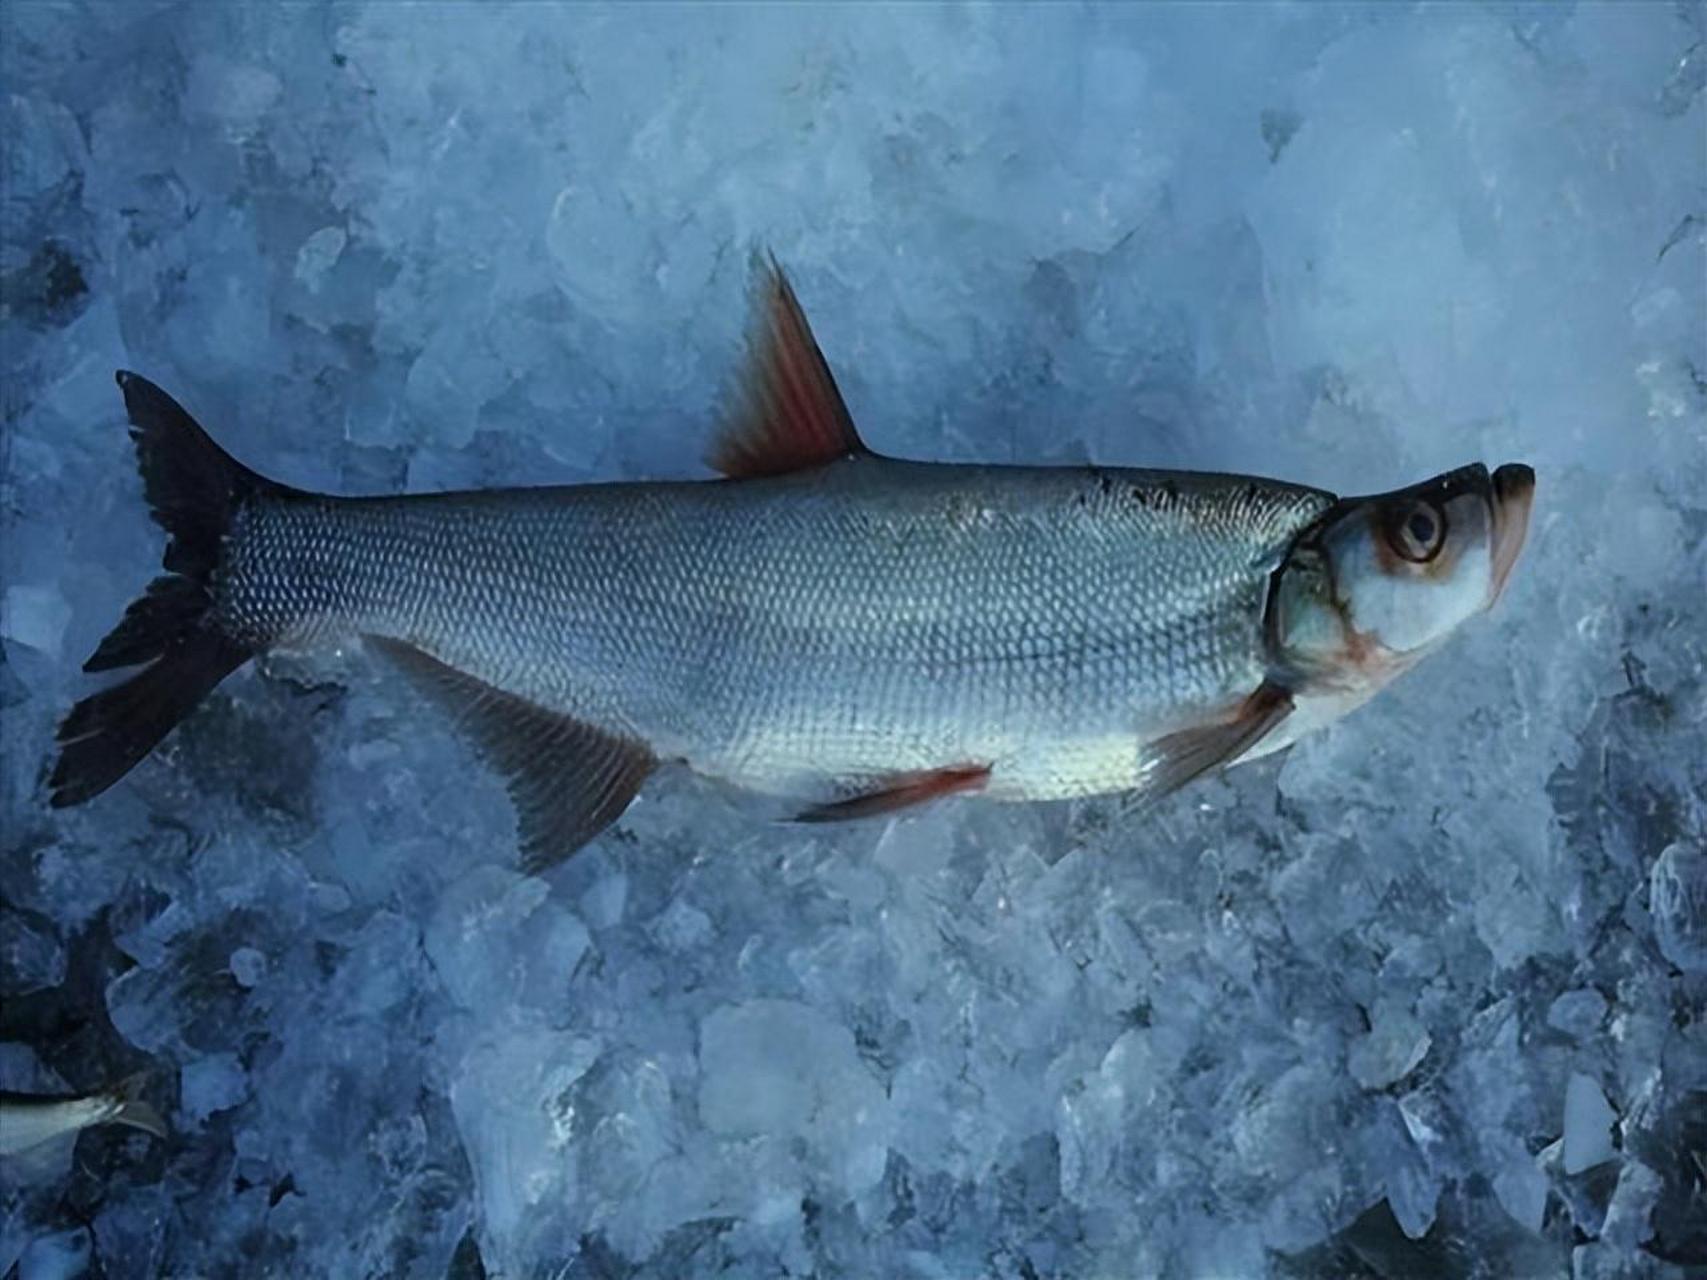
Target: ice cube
x=1588 y=1125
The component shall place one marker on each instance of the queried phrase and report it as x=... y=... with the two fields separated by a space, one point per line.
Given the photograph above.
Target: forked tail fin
x=134 y=1110
x=194 y=489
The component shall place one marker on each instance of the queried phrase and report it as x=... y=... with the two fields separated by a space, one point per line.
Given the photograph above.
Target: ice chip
x=44 y=146
x=1588 y=1125
x=319 y=253
x=212 y=1083
x=1629 y=1217
x=600 y=262
x=1414 y=1197
x=682 y=926
x=603 y=902
x=248 y=966
x=234 y=93
x=777 y=1067
x=32 y=957
x=507 y=1098
x=36 y=616
x=1390 y=1051
x=1677 y=899
x=64 y=1256
x=1577 y=1013
x=1521 y=1189
x=496 y=934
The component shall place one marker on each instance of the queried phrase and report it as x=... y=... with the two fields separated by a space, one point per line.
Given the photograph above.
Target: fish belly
x=817 y=631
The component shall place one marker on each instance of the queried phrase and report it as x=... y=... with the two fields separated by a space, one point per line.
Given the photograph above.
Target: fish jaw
x=1513 y=498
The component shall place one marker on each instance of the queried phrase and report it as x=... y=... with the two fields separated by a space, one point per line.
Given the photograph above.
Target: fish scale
x=809 y=633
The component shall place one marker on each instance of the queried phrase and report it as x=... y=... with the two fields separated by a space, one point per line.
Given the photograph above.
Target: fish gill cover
x=1425 y=995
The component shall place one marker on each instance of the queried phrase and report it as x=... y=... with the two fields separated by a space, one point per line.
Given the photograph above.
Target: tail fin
x=135 y=1112
x=194 y=489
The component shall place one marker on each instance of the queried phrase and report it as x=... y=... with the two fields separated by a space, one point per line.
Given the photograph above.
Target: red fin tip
x=789 y=415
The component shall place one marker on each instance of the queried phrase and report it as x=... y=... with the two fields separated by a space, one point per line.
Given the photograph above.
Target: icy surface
x=1588 y=1125
x=1337 y=1014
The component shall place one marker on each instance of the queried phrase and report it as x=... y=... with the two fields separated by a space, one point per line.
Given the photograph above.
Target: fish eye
x=1418 y=532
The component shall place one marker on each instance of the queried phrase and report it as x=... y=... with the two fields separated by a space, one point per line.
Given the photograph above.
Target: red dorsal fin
x=903 y=791
x=789 y=416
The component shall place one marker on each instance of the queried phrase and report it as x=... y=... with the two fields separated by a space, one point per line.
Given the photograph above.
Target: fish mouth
x=1513 y=494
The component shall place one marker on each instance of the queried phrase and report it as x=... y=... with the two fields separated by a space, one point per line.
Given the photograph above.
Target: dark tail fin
x=134 y=1110
x=194 y=489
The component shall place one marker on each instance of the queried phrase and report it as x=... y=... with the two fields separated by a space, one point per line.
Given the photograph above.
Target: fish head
x=1379 y=581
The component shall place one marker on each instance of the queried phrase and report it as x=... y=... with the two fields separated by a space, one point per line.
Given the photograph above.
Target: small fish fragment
x=28 y=1121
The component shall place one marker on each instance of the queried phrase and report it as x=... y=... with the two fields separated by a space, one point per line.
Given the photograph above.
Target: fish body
x=28 y=1121
x=804 y=634
x=859 y=632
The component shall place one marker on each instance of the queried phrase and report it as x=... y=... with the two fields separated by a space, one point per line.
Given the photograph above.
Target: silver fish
x=29 y=1120
x=859 y=632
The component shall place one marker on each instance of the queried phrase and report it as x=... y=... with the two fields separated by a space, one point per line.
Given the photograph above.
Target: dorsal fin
x=788 y=415
x=568 y=780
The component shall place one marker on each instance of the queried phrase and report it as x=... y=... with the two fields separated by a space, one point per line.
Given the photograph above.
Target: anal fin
x=902 y=792
x=568 y=780
x=1181 y=757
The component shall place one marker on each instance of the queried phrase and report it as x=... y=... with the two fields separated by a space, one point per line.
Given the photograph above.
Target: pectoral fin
x=902 y=791
x=1177 y=759
x=568 y=780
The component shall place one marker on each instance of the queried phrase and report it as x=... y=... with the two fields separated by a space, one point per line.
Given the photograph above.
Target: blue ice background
x=1428 y=995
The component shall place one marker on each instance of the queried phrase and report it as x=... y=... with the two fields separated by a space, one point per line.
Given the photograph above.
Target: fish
x=852 y=632
x=29 y=1121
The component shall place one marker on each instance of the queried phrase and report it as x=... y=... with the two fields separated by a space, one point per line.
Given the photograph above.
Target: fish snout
x=1513 y=495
